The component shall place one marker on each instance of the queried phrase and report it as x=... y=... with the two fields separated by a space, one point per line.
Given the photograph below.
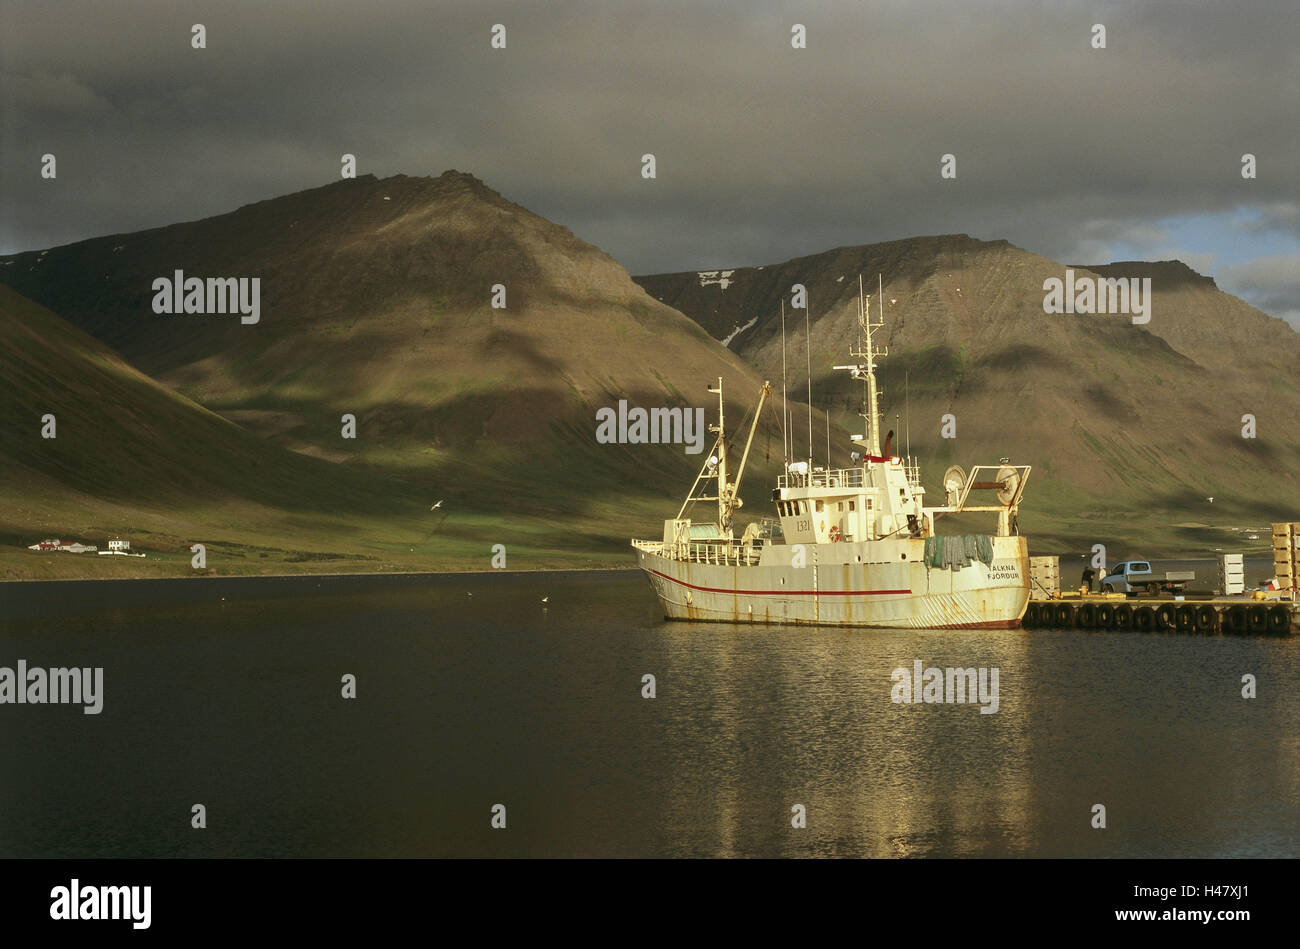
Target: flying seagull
x=546 y=599
x=437 y=505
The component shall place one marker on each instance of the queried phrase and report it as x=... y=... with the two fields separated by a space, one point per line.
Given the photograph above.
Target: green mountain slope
x=375 y=302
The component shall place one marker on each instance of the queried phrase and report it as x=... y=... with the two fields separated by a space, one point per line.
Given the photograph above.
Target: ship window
x=839 y=506
x=820 y=507
x=868 y=504
x=853 y=505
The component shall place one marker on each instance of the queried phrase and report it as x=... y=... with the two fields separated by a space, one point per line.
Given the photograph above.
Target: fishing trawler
x=853 y=546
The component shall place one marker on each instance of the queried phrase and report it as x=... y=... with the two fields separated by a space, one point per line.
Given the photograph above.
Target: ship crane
x=726 y=493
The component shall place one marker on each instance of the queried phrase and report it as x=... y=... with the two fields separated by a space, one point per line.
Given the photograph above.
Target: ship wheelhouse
x=881 y=498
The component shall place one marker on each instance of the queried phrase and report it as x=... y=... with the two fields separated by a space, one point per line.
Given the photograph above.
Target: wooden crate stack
x=1286 y=541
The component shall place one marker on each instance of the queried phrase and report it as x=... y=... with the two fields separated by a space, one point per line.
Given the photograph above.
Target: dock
x=1205 y=614
x=1162 y=605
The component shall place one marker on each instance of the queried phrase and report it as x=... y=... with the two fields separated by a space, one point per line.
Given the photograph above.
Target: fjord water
x=471 y=692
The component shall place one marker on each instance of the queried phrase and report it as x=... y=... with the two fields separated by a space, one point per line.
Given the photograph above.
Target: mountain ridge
x=1127 y=423
x=377 y=303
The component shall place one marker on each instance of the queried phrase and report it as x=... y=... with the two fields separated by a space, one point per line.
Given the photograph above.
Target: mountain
x=1130 y=428
x=129 y=456
x=375 y=300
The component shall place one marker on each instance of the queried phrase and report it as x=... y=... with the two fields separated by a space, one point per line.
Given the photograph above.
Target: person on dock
x=1085 y=585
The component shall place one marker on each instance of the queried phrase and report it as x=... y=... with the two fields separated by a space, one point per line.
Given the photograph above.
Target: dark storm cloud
x=764 y=152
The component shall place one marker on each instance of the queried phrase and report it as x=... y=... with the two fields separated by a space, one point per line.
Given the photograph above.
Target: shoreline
x=294 y=576
x=4 y=583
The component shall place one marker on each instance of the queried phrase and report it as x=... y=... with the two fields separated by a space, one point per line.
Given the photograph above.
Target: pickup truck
x=1135 y=576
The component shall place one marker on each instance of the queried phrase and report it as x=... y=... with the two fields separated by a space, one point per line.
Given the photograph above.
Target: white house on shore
x=119 y=547
x=72 y=547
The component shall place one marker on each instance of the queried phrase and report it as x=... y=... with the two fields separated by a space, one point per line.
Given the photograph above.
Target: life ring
x=835 y=533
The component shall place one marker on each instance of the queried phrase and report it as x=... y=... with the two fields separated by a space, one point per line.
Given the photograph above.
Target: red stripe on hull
x=781 y=592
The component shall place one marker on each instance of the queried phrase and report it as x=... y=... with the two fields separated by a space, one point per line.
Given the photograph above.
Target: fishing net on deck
x=954 y=551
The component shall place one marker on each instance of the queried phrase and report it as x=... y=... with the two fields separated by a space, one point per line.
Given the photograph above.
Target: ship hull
x=884 y=584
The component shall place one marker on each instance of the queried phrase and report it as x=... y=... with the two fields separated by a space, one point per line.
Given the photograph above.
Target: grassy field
x=242 y=539
x=247 y=539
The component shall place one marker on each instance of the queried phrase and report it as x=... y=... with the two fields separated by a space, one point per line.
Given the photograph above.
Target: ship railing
x=725 y=553
x=913 y=470
x=722 y=553
x=835 y=478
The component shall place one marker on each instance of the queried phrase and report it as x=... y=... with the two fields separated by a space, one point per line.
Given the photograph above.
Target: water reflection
x=468 y=701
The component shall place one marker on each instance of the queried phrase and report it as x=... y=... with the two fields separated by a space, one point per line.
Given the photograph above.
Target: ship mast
x=865 y=370
x=720 y=472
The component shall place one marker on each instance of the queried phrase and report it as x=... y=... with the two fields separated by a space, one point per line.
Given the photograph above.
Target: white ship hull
x=881 y=583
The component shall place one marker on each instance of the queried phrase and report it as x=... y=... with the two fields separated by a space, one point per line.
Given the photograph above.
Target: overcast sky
x=763 y=151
